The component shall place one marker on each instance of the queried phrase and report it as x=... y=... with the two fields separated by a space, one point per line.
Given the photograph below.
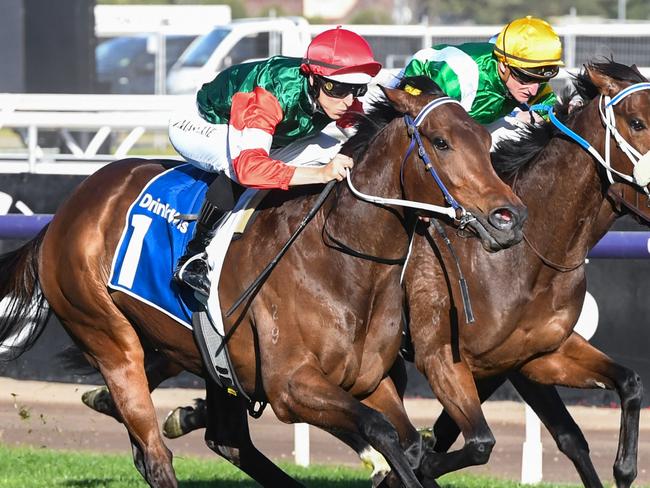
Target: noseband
x=641 y=174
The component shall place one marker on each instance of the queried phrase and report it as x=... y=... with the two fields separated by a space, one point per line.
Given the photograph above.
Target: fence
x=74 y=118
x=627 y=42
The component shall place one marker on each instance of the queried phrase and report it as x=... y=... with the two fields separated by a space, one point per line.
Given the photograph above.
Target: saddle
x=157 y=227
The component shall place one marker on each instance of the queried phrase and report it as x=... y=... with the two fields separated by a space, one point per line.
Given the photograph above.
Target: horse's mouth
x=496 y=237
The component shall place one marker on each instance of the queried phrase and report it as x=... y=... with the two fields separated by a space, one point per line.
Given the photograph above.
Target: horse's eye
x=637 y=125
x=440 y=144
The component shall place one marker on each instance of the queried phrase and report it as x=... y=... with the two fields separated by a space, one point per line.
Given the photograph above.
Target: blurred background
x=118 y=46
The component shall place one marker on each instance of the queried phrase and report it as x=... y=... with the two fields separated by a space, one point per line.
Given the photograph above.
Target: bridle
x=455 y=210
x=640 y=176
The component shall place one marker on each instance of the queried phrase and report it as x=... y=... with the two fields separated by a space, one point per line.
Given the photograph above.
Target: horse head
x=622 y=96
x=455 y=150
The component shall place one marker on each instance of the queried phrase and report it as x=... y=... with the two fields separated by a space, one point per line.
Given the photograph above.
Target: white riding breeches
x=205 y=145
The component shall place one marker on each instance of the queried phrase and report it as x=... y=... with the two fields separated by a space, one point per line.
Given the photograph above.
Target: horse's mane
x=511 y=156
x=587 y=90
x=380 y=113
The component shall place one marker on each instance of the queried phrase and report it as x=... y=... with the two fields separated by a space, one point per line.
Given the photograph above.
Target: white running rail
x=97 y=116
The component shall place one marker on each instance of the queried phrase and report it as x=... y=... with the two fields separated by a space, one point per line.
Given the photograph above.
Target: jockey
x=252 y=110
x=492 y=80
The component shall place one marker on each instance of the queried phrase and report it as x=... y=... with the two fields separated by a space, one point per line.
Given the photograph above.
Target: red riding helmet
x=341 y=55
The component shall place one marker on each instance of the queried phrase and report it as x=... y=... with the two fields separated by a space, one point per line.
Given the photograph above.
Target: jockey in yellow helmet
x=491 y=80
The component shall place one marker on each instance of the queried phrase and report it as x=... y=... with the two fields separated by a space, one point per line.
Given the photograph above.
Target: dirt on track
x=51 y=415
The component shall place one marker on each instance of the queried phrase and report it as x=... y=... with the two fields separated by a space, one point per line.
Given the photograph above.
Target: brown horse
x=528 y=298
x=545 y=296
x=502 y=317
x=323 y=331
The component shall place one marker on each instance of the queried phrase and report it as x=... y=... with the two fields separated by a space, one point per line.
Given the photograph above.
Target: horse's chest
x=531 y=334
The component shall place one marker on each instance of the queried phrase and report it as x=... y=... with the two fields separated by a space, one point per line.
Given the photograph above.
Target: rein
x=454 y=211
x=641 y=174
x=462 y=282
x=620 y=203
x=557 y=267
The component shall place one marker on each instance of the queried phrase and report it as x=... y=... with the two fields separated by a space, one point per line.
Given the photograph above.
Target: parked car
x=234 y=43
x=127 y=64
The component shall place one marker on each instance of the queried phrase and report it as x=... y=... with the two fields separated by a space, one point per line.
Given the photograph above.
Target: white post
x=531 y=454
x=32 y=144
x=301 y=444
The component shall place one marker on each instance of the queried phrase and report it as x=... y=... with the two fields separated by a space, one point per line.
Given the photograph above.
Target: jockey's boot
x=194 y=272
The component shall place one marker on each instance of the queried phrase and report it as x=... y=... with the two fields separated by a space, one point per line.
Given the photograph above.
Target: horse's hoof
x=183 y=420
x=172 y=428
x=99 y=399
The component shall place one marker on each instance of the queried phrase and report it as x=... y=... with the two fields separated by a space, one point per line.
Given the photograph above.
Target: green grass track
x=44 y=468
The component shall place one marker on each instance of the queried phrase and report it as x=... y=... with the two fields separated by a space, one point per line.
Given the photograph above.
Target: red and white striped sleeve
x=253 y=119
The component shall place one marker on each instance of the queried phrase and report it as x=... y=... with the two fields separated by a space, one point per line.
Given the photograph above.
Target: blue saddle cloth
x=154 y=239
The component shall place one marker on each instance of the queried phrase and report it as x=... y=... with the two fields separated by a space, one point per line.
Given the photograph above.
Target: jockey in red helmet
x=254 y=121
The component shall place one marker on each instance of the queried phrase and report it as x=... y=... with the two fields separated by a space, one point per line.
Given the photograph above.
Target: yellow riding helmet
x=529 y=43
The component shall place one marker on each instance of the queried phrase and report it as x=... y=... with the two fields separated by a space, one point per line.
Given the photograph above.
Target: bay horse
x=324 y=330
x=525 y=316
x=527 y=299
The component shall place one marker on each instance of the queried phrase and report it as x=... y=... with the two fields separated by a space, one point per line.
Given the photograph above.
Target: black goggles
x=336 y=89
x=529 y=76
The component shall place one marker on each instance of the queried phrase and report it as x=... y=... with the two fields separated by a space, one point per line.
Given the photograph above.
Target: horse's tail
x=23 y=308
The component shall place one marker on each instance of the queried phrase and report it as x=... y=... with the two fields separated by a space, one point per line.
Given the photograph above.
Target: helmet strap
x=313 y=88
x=504 y=71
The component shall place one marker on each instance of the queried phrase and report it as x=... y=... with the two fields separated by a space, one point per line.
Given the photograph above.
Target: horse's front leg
x=578 y=364
x=445 y=430
x=227 y=434
x=388 y=400
x=308 y=396
x=453 y=385
x=550 y=408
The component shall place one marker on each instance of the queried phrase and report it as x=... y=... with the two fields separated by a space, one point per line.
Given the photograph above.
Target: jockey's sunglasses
x=336 y=89
x=530 y=76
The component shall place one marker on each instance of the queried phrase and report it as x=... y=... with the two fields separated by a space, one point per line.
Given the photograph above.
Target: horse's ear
x=606 y=85
x=402 y=101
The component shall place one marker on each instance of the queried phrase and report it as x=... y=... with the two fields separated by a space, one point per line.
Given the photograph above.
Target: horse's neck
x=373 y=229
x=563 y=193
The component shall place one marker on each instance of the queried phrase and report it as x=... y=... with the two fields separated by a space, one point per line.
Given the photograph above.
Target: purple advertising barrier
x=614 y=245
x=19 y=226
x=622 y=245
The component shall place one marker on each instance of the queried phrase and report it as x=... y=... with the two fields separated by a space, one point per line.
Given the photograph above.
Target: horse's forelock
x=381 y=113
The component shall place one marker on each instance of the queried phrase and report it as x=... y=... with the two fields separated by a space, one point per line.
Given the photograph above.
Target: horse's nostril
x=503 y=218
x=504 y=214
